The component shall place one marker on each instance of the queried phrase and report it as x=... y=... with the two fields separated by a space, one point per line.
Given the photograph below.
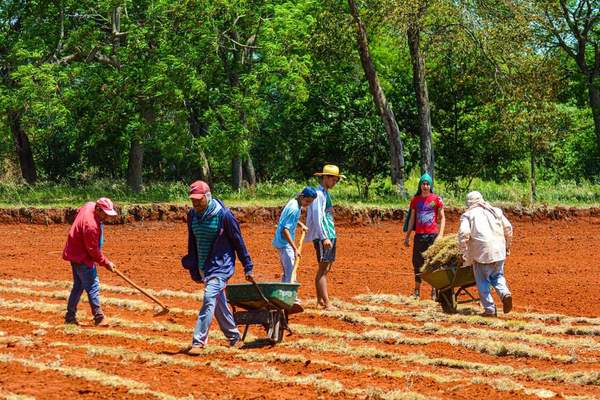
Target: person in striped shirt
x=214 y=240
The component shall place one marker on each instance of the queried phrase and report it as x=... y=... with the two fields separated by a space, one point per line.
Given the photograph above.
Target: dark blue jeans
x=84 y=278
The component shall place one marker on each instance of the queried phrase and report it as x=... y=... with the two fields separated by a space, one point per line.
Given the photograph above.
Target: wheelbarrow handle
x=260 y=292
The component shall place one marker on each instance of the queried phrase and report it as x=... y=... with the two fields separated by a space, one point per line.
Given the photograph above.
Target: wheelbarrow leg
x=245 y=332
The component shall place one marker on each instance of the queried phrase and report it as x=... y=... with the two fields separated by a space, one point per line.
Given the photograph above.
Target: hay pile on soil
x=444 y=253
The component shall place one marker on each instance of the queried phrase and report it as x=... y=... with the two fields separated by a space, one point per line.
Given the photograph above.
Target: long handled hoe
x=297 y=260
x=164 y=310
x=297 y=308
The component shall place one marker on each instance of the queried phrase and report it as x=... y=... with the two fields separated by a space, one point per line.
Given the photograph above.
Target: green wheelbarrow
x=451 y=283
x=267 y=304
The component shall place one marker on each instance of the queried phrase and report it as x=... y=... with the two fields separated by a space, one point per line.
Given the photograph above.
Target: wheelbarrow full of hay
x=452 y=285
x=267 y=304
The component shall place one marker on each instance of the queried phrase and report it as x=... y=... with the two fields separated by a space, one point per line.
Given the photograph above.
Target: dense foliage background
x=241 y=91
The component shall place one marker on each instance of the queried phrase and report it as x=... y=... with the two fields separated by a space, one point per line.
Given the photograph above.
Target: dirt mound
x=343 y=215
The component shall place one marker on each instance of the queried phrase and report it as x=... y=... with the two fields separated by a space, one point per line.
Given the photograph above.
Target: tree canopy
x=246 y=90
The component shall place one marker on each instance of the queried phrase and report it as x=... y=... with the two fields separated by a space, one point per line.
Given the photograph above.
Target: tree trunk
x=23 y=147
x=198 y=130
x=594 y=93
x=532 y=167
x=384 y=108
x=422 y=96
x=249 y=171
x=135 y=164
x=204 y=171
x=236 y=173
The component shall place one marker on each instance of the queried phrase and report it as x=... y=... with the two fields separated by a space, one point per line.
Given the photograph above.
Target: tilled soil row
x=387 y=348
x=334 y=379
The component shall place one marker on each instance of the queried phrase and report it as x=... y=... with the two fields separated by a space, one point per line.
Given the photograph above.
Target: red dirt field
x=387 y=347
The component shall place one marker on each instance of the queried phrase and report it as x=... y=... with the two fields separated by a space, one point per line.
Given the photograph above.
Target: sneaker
x=71 y=321
x=507 y=303
x=417 y=294
x=193 y=350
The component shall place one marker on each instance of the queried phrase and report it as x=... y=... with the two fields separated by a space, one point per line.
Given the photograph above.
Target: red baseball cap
x=198 y=190
x=106 y=205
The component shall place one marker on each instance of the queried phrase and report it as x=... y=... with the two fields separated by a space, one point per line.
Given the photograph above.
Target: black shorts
x=421 y=243
x=322 y=254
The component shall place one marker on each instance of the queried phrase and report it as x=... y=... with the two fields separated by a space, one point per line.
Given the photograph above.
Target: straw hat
x=330 y=169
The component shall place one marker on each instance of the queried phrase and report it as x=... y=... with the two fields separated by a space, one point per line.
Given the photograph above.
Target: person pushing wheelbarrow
x=214 y=240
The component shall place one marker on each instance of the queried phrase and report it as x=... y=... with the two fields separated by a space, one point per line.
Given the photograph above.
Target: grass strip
x=270 y=357
x=137 y=305
x=432 y=314
x=376 y=299
x=441 y=330
x=109 y=288
x=342 y=348
x=14 y=396
x=254 y=372
x=498 y=349
x=90 y=374
x=549 y=317
x=556 y=375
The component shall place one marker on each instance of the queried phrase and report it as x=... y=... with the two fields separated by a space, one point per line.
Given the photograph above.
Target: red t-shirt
x=426 y=213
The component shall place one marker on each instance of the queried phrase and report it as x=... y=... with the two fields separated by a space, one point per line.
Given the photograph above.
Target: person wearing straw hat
x=321 y=230
x=84 y=251
x=484 y=237
x=214 y=240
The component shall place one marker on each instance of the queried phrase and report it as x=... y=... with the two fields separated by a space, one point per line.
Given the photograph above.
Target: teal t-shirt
x=328 y=224
x=288 y=220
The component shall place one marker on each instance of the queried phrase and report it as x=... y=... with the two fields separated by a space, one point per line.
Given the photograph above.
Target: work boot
x=194 y=350
x=71 y=321
x=507 y=303
x=101 y=321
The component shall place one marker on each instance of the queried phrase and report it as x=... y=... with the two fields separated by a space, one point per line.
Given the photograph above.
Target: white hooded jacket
x=485 y=234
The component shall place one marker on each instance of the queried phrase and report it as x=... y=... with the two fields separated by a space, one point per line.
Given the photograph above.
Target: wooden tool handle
x=154 y=299
x=297 y=259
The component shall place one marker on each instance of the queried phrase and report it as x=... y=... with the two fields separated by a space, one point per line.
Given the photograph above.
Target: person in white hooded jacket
x=484 y=237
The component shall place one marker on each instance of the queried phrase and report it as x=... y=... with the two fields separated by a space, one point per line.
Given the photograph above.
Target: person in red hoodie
x=84 y=251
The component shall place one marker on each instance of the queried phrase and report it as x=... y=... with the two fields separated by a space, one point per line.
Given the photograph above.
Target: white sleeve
x=314 y=217
x=508 y=230
x=464 y=234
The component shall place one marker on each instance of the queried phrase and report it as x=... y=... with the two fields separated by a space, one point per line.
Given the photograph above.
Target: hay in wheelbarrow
x=444 y=253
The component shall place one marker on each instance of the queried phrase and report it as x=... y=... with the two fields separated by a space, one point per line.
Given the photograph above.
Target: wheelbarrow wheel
x=447 y=301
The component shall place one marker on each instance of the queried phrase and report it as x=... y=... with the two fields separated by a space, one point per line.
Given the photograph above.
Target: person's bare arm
x=442 y=218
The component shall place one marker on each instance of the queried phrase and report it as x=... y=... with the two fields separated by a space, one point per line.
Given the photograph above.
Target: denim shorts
x=325 y=255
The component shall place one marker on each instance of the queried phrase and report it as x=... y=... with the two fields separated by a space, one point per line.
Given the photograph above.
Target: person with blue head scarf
x=285 y=234
x=427 y=219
